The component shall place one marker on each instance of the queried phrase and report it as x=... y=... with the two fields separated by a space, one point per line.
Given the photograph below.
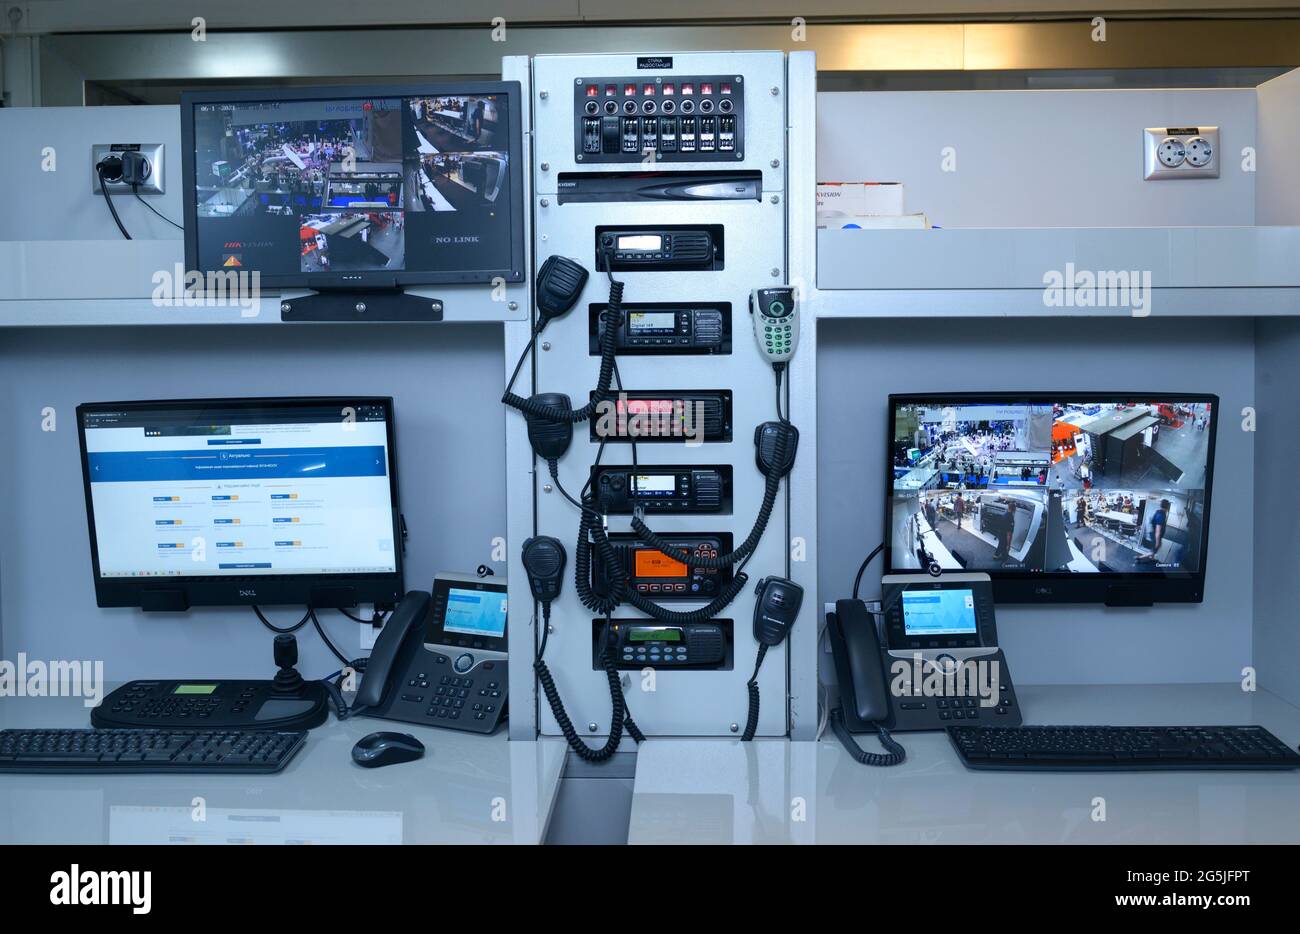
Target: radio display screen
x=660 y=484
x=657 y=564
x=655 y=635
x=640 y=323
x=641 y=242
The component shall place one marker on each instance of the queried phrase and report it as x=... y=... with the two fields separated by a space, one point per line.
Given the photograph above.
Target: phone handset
x=404 y=621
x=859 y=667
x=774 y=314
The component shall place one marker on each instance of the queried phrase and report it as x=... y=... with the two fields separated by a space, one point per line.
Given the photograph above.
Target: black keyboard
x=1121 y=748
x=140 y=751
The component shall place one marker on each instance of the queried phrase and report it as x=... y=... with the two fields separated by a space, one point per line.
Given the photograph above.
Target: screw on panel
x=775 y=271
x=546 y=345
x=546 y=167
x=285 y=307
x=735 y=728
x=545 y=94
x=546 y=488
x=776 y=199
x=592 y=727
x=361 y=308
x=546 y=202
x=776 y=163
x=775 y=90
x=513 y=306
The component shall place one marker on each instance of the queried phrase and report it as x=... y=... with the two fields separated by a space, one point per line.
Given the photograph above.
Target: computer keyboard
x=141 y=751
x=1121 y=748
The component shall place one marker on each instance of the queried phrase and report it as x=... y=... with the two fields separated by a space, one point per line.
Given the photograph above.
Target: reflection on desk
x=774 y=791
x=467 y=789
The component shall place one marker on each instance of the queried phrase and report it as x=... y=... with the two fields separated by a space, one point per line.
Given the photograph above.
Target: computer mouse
x=380 y=749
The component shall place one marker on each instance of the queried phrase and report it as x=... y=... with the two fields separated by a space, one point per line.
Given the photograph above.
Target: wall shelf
x=975 y=272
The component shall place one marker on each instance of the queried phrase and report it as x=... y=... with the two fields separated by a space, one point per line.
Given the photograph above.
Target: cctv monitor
x=1065 y=497
x=355 y=187
x=242 y=501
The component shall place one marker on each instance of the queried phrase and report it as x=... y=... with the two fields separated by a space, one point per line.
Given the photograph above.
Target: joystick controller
x=287 y=680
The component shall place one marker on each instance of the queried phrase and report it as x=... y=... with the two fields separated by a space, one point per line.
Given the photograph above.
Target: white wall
x=1038 y=158
x=1277 y=190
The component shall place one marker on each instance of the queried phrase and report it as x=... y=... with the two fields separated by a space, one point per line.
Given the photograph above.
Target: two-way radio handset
x=775 y=316
x=544 y=558
x=776 y=607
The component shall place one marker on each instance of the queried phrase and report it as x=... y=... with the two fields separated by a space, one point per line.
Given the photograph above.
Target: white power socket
x=1180 y=152
x=153 y=185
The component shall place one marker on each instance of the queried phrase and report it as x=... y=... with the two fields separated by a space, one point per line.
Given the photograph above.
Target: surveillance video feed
x=381 y=184
x=1068 y=487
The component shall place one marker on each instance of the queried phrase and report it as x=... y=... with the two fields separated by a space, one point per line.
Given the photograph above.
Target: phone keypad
x=779 y=335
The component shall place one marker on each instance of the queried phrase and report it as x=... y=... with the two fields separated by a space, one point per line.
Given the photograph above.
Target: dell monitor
x=355 y=187
x=242 y=501
x=1059 y=497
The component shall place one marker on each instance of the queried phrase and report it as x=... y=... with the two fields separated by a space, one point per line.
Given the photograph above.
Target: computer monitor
x=242 y=501
x=1066 y=497
x=356 y=187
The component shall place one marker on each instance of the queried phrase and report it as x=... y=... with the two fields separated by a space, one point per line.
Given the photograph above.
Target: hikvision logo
x=88 y=887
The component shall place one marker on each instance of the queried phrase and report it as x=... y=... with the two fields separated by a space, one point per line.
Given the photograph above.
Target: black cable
x=321 y=629
x=619 y=717
x=857 y=581
x=108 y=199
x=282 y=630
x=528 y=348
x=779 y=370
x=896 y=755
x=751 y=724
x=135 y=190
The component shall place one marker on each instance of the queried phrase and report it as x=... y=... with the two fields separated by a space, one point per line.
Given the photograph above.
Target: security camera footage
x=1056 y=487
x=404 y=185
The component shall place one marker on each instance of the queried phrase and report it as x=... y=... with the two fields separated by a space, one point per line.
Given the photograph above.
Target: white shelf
x=1001 y=271
x=68 y=283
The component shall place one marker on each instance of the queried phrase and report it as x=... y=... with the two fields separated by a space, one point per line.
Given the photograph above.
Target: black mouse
x=380 y=749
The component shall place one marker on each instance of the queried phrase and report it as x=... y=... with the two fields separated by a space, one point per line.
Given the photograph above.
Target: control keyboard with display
x=213 y=705
x=667 y=119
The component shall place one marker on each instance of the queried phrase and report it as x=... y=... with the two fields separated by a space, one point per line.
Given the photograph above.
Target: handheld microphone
x=543 y=559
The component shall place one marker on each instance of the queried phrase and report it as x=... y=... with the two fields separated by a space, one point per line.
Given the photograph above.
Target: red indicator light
x=611 y=90
x=688 y=89
x=669 y=90
x=593 y=91
x=706 y=88
x=726 y=89
x=629 y=90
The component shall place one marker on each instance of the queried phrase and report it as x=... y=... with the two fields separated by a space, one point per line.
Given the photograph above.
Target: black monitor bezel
x=316 y=590
x=375 y=279
x=1109 y=587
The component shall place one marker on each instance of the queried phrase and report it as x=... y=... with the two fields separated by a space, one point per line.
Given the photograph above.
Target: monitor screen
x=475 y=613
x=938 y=612
x=382 y=185
x=1043 y=487
x=227 y=490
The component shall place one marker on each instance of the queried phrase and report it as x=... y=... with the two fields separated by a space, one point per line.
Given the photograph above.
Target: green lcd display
x=194 y=689
x=655 y=635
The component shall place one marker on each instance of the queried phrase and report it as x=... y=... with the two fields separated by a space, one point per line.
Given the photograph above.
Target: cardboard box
x=861 y=199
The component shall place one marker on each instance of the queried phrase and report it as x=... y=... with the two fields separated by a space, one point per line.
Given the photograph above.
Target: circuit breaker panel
x=667 y=174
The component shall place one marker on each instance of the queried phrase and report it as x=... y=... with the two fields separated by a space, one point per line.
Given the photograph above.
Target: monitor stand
x=345 y=304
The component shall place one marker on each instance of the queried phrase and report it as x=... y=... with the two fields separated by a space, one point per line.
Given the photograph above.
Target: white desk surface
x=776 y=791
x=466 y=789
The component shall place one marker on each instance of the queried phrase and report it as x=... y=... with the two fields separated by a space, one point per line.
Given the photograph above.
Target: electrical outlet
x=153 y=152
x=1180 y=152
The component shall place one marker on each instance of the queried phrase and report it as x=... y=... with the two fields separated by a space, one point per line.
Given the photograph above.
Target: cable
x=108 y=199
x=857 y=581
x=778 y=369
x=896 y=753
x=135 y=190
x=619 y=719
x=751 y=724
x=321 y=629
x=282 y=630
